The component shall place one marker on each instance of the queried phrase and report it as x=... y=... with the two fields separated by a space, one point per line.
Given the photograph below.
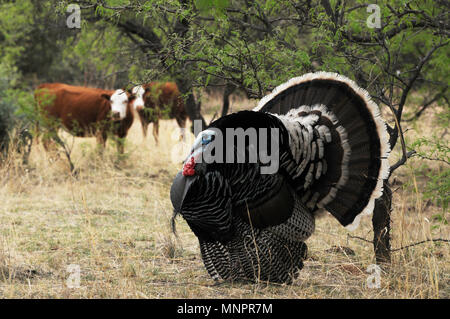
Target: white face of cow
x=138 y=102
x=119 y=101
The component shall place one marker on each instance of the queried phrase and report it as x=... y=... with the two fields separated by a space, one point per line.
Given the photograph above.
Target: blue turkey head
x=193 y=167
x=200 y=153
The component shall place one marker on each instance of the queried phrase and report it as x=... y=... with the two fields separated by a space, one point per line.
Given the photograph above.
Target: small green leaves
x=206 y=6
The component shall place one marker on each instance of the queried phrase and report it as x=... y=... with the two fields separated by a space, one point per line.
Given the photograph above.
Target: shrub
x=14 y=124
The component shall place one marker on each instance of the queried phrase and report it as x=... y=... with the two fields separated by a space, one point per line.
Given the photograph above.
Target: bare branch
x=404 y=247
x=426 y=104
x=422 y=242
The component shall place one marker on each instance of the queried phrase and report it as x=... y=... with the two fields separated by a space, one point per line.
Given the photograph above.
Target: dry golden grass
x=113 y=220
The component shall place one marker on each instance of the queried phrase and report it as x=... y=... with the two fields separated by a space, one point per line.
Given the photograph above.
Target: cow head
x=139 y=101
x=119 y=102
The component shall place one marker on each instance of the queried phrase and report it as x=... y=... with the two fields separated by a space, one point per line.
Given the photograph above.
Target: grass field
x=113 y=221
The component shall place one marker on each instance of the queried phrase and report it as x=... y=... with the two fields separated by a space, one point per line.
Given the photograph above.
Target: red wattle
x=188 y=168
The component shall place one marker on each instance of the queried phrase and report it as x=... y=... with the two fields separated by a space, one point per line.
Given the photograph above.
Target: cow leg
x=183 y=134
x=101 y=140
x=144 y=129
x=48 y=141
x=144 y=123
x=121 y=145
x=182 y=124
x=156 y=131
x=50 y=148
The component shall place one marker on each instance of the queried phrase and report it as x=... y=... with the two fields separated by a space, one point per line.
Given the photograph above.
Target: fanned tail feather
x=339 y=139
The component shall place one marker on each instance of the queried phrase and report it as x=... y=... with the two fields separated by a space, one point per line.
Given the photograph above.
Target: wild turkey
x=333 y=148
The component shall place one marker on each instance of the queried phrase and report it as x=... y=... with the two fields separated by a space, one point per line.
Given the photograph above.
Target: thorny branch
x=404 y=247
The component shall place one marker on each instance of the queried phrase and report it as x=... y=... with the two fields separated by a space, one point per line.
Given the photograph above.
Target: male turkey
x=333 y=148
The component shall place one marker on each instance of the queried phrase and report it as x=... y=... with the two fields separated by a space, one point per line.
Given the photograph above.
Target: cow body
x=160 y=100
x=85 y=111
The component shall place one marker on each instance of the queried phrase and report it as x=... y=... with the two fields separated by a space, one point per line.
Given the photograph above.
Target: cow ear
x=106 y=96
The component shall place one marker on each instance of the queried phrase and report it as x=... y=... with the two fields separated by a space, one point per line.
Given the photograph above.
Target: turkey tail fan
x=350 y=153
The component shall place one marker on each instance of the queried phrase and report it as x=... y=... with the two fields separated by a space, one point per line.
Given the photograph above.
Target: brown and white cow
x=85 y=111
x=156 y=100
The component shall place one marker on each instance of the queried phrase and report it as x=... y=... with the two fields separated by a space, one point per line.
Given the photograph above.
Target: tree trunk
x=381 y=222
x=229 y=89
x=192 y=107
